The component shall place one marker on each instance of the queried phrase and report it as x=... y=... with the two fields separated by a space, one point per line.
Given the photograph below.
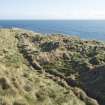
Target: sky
x=52 y=9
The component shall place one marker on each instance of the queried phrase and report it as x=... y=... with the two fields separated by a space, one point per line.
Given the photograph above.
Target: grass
x=21 y=75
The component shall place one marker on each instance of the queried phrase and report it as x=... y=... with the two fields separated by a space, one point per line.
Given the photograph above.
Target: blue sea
x=86 y=29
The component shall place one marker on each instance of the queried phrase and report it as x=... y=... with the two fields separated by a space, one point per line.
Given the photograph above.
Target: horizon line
x=50 y=19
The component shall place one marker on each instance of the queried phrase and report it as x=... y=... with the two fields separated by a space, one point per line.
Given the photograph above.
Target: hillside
x=37 y=69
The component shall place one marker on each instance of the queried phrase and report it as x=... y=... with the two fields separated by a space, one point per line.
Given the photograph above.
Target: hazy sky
x=52 y=9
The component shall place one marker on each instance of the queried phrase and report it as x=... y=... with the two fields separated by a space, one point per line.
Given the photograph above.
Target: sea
x=85 y=29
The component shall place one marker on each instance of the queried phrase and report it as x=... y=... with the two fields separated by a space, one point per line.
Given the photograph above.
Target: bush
x=49 y=46
x=37 y=38
x=99 y=59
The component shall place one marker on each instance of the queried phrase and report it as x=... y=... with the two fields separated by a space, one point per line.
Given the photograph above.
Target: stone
x=36 y=65
x=4 y=83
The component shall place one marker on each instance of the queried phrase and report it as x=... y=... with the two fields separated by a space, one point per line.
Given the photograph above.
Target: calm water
x=86 y=29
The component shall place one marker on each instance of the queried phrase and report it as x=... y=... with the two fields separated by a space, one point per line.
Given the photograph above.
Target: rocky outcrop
x=93 y=82
x=83 y=96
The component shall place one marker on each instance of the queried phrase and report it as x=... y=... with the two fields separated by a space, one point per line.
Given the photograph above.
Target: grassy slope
x=68 y=58
x=22 y=85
